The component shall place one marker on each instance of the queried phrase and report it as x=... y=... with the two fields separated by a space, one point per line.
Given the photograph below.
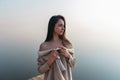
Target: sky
x=92 y=26
x=88 y=17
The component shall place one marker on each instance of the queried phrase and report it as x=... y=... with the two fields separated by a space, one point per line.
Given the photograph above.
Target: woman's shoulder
x=44 y=46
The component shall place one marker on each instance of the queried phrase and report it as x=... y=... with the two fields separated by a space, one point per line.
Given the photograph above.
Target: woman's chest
x=54 y=45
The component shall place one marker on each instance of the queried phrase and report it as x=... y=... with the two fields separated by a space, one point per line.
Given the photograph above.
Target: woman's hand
x=64 y=52
x=52 y=57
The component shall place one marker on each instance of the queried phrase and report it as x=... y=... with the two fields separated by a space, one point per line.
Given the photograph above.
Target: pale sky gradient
x=92 y=20
x=93 y=26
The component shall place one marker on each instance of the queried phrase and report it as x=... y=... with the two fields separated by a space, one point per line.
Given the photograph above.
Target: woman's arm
x=44 y=65
x=68 y=53
x=71 y=59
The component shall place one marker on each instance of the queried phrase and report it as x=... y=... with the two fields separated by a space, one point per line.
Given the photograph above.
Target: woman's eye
x=60 y=25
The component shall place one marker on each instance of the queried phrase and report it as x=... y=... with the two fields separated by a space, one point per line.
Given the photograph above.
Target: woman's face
x=59 y=27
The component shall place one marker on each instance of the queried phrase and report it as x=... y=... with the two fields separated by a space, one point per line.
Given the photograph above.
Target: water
x=18 y=62
x=96 y=65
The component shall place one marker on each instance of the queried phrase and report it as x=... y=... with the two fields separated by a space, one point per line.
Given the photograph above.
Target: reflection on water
x=19 y=63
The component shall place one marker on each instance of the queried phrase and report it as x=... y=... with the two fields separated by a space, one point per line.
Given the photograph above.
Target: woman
x=58 y=63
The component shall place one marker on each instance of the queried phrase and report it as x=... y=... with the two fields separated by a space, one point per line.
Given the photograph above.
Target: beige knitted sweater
x=60 y=69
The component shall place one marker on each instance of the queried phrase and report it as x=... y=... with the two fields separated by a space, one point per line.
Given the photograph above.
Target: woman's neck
x=56 y=38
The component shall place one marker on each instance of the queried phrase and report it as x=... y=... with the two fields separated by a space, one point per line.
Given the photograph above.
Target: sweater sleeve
x=42 y=65
x=72 y=59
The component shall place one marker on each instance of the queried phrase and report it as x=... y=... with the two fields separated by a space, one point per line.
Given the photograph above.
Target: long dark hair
x=53 y=20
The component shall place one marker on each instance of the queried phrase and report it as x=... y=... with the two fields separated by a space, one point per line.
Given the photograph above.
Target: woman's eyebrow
x=61 y=24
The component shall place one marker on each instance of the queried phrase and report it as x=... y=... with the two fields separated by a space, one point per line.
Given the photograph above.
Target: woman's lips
x=61 y=31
